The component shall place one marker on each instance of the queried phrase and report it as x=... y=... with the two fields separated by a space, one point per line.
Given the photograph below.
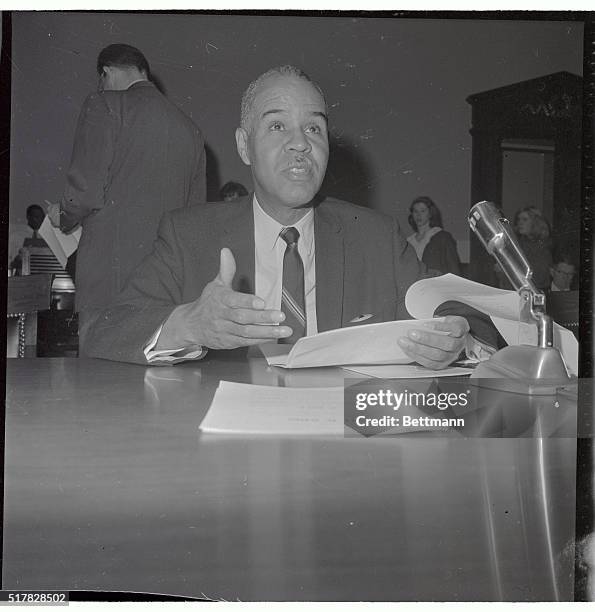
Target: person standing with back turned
x=135 y=156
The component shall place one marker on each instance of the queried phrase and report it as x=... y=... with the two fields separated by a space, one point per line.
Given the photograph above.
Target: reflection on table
x=110 y=486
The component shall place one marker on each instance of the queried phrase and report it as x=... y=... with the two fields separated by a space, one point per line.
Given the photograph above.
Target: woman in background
x=533 y=234
x=434 y=246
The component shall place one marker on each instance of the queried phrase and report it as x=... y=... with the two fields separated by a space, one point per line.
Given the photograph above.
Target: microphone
x=533 y=362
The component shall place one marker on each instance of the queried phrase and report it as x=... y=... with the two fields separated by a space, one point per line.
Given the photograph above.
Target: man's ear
x=242 y=145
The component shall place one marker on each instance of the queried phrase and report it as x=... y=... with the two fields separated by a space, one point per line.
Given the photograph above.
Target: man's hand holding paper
x=53 y=213
x=438 y=343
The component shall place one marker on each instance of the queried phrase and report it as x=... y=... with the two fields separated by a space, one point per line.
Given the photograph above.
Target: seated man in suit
x=276 y=265
x=562 y=272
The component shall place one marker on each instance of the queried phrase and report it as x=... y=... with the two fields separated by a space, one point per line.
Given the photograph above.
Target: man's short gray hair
x=250 y=93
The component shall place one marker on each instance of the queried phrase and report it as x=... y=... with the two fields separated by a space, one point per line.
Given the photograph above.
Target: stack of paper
x=239 y=408
x=409 y=370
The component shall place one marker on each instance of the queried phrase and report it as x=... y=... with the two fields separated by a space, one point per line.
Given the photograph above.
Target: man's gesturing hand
x=437 y=350
x=222 y=318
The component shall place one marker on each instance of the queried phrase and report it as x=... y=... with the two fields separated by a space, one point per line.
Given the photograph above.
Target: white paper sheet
x=239 y=408
x=62 y=245
x=406 y=371
x=372 y=344
x=423 y=297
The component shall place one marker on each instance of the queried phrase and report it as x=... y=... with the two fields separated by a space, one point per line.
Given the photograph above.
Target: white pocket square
x=360 y=318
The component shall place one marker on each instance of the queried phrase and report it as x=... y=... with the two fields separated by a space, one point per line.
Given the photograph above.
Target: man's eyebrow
x=320 y=114
x=276 y=111
x=272 y=111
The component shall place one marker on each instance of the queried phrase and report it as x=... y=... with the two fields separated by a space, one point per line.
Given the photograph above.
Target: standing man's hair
x=122 y=56
x=250 y=93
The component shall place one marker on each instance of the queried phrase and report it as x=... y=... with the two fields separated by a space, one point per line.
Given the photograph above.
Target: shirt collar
x=138 y=81
x=267 y=229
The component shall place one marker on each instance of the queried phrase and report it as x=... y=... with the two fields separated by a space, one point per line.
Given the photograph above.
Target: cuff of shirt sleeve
x=476 y=350
x=170 y=355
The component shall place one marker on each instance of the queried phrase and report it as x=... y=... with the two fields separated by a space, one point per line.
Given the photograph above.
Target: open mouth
x=299 y=170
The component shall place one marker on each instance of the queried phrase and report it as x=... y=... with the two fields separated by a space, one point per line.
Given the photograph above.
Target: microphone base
x=524 y=369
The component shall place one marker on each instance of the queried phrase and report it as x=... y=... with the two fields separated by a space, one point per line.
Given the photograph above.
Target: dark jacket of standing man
x=135 y=156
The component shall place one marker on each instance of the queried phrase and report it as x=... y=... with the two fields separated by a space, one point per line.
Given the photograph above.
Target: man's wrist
x=171 y=337
x=477 y=350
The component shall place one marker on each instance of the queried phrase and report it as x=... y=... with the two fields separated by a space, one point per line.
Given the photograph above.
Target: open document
x=62 y=245
x=376 y=344
x=373 y=344
x=502 y=306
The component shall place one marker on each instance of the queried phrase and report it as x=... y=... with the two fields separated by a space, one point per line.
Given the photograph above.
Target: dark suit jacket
x=135 y=156
x=364 y=265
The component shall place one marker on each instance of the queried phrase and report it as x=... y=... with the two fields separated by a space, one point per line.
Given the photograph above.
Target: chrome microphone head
x=495 y=233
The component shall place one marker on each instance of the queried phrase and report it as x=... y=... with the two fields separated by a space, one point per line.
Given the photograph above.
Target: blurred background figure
x=35 y=217
x=21 y=235
x=232 y=191
x=534 y=236
x=562 y=271
x=434 y=246
x=562 y=298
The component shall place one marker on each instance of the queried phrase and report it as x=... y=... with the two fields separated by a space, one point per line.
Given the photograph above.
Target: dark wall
x=396 y=89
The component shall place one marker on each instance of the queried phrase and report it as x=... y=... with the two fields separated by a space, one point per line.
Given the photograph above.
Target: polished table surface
x=110 y=486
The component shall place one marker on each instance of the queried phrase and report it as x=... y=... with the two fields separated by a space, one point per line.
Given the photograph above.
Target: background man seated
x=562 y=272
x=21 y=236
x=274 y=266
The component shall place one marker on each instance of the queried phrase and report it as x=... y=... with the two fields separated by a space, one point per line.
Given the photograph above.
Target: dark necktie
x=293 y=301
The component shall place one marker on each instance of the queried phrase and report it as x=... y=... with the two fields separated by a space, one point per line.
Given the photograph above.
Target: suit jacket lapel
x=239 y=237
x=330 y=264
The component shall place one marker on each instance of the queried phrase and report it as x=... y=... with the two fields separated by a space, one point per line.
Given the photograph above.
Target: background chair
x=41 y=260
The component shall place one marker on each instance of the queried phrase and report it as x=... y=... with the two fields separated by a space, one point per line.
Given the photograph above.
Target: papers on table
x=62 y=245
x=502 y=306
x=406 y=371
x=239 y=408
x=373 y=344
x=246 y=409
